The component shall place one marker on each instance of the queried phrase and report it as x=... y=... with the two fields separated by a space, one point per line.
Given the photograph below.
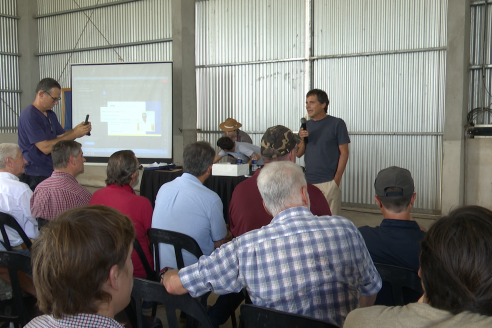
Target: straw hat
x=230 y=124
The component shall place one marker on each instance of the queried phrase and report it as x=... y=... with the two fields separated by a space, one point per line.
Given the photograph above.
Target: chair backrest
x=178 y=240
x=15 y=261
x=41 y=222
x=151 y=274
x=400 y=279
x=154 y=291
x=253 y=316
x=10 y=221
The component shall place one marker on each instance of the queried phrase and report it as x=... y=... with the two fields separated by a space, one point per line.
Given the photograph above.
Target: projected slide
x=129 y=106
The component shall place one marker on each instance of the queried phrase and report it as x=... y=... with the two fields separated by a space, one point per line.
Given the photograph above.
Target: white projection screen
x=129 y=106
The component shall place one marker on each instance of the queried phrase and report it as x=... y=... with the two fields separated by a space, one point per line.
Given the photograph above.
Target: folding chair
x=404 y=283
x=19 y=309
x=11 y=222
x=253 y=316
x=156 y=292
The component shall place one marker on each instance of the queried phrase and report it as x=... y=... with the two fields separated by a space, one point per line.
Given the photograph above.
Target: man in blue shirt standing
x=39 y=130
x=326 y=148
x=396 y=240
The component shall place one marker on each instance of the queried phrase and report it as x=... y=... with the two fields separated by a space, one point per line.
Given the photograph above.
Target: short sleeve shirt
x=246 y=151
x=322 y=153
x=35 y=127
x=186 y=206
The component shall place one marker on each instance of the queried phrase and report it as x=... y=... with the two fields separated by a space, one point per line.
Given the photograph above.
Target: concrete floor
x=359 y=216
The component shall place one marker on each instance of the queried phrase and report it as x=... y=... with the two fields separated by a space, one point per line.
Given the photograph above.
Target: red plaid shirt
x=58 y=193
x=82 y=320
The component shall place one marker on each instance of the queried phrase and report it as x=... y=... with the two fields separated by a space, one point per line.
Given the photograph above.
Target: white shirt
x=15 y=199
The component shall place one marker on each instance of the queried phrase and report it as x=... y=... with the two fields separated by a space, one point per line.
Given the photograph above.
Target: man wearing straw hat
x=231 y=128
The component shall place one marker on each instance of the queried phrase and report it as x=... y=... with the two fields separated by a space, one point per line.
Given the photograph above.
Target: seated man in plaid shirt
x=299 y=263
x=61 y=191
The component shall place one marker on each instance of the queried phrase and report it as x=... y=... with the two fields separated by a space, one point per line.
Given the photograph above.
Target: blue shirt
x=35 y=127
x=185 y=205
x=246 y=150
x=395 y=242
x=299 y=263
x=322 y=153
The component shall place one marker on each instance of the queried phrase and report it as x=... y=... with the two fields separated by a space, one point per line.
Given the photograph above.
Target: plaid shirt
x=58 y=193
x=82 y=320
x=299 y=263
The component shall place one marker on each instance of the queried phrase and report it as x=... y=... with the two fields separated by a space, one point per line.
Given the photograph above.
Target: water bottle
x=239 y=159
x=254 y=167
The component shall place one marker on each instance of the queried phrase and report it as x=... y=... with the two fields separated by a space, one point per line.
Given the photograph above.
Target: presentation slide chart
x=129 y=107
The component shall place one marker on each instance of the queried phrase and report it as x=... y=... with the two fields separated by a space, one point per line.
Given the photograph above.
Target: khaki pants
x=332 y=194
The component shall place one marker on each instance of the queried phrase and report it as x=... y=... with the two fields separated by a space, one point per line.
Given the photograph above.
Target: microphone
x=303 y=125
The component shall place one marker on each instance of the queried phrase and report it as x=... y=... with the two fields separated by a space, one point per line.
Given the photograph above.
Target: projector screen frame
x=142 y=160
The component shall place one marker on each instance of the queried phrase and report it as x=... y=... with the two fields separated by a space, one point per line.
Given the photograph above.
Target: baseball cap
x=397 y=177
x=278 y=141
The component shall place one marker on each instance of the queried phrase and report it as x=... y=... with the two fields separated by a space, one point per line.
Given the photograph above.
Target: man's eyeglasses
x=54 y=99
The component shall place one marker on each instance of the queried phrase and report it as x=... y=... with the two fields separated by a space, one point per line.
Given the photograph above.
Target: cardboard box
x=230 y=170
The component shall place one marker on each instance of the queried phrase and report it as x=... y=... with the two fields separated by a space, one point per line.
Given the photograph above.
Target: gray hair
x=7 y=150
x=47 y=84
x=197 y=158
x=62 y=151
x=280 y=185
x=121 y=166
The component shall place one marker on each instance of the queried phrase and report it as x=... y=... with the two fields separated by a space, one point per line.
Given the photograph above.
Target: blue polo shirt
x=395 y=242
x=35 y=127
x=185 y=205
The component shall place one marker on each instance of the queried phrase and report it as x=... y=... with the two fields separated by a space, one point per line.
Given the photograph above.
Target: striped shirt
x=299 y=263
x=58 y=193
x=82 y=320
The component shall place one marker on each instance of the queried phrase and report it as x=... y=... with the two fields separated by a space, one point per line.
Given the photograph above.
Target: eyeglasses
x=51 y=125
x=54 y=99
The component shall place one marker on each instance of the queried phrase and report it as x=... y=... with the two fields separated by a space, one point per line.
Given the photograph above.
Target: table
x=223 y=186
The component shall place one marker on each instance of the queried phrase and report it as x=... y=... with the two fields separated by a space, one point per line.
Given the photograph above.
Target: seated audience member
x=122 y=177
x=456 y=271
x=231 y=128
x=245 y=151
x=299 y=263
x=82 y=268
x=15 y=196
x=397 y=239
x=61 y=191
x=246 y=210
x=185 y=205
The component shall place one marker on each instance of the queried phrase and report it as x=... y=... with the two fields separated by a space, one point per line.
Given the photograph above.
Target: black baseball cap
x=395 y=177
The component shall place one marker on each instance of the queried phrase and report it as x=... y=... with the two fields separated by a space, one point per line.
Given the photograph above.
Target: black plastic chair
x=19 y=309
x=41 y=222
x=156 y=292
x=404 y=283
x=180 y=241
x=151 y=274
x=253 y=316
x=11 y=222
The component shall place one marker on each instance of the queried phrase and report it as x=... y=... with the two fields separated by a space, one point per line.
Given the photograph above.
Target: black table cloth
x=223 y=186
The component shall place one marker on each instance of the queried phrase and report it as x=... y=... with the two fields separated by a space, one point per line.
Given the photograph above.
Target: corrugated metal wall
x=481 y=60
x=138 y=31
x=382 y=64
x=9 y=67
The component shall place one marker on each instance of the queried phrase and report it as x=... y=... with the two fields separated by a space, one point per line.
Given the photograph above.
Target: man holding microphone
x=325 y=144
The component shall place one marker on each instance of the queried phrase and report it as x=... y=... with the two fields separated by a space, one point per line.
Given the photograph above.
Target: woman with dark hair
x=82 y=268
x=456 y=273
